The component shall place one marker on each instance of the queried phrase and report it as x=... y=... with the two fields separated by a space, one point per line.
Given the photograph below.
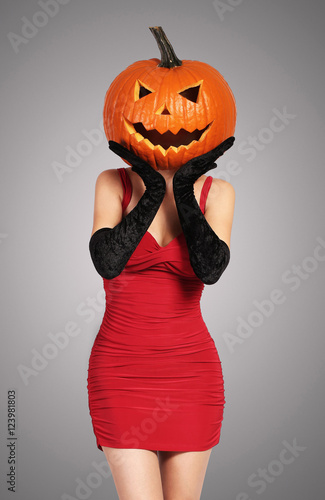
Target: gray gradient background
x=272 y=55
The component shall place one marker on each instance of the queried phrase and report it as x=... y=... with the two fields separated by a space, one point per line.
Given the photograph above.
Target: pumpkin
x=169 y=111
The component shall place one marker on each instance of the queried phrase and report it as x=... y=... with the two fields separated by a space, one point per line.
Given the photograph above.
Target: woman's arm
x=113 y=243
x=209 y=253
x=219 y=210
x=108 y=200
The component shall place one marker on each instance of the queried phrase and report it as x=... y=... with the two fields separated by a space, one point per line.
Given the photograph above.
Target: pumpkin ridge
x=126 y=104
x=193 y=76
x=112 y=110
x=115 y=110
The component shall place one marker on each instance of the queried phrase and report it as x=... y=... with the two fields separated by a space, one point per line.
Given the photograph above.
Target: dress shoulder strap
x=204 y=192
x=127 y=187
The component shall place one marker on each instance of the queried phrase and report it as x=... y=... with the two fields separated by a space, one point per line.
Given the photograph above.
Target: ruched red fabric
x=154 y=377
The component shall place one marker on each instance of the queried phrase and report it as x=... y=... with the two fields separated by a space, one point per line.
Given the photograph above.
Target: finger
x=211 y=156
x=126 y=154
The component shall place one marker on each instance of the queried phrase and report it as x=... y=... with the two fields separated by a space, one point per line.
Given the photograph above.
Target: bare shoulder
x=108 y=200
x=220 y=208
x=222 y=191
x=108 y=181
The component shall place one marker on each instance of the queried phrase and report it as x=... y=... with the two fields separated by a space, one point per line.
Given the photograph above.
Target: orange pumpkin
x=169 y=111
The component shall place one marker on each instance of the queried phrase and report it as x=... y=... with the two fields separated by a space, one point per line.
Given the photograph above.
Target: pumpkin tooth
x=129 y=126
x=174 y=128
x=205 y=133
x=162 y=126
x=148 y=143
x=174 y=149
x=161 y=149
x=138 y=137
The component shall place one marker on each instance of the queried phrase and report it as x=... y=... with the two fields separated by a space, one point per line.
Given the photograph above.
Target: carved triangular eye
x=143 y=91
x=192 y=93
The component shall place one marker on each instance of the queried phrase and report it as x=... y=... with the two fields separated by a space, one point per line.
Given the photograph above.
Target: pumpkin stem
x=168 y=56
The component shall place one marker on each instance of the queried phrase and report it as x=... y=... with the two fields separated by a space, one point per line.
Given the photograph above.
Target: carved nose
x=163 y=110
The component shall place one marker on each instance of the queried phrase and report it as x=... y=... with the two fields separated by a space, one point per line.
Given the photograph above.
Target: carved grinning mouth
x=166 y=140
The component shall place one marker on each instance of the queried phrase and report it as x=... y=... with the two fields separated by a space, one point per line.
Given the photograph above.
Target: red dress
x=154 y=376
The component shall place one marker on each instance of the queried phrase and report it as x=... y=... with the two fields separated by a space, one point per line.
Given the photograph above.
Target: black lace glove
x=209 y=255
x=111 y=248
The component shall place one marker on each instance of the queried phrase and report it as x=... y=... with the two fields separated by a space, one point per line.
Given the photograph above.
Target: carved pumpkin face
x=168 y=115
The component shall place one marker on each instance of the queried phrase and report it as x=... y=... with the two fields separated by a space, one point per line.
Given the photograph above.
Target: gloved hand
x=209 y=255
x=111 y=248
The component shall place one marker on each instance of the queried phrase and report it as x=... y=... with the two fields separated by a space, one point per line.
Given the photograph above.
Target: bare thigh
x=135 y=472
x=183 y=473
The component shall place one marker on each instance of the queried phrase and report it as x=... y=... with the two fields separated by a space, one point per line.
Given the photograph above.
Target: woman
x=161 y=231
x=138 y=468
